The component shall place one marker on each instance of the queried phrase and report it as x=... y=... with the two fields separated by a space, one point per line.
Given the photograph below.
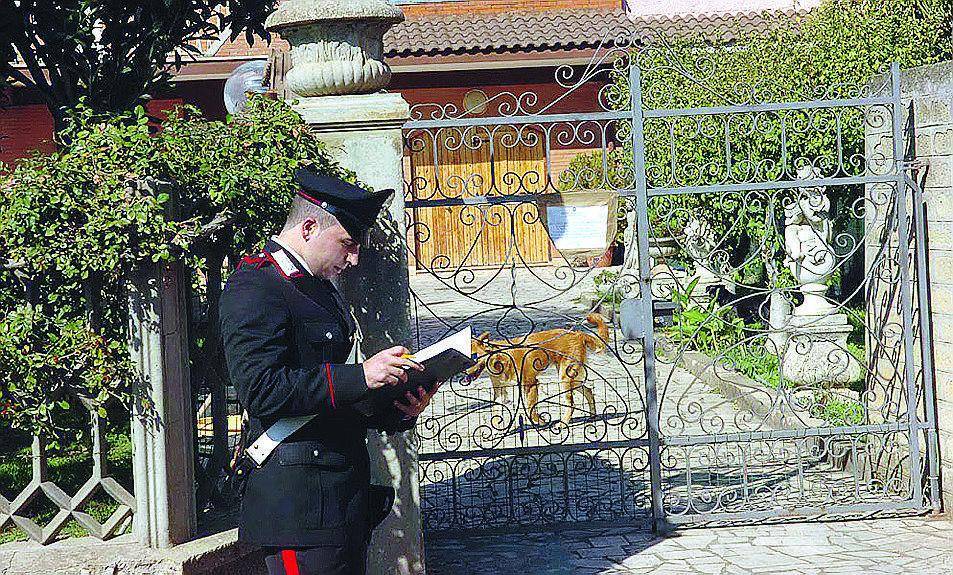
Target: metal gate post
x=645 y=294
x=906 y=302
x=926 y=341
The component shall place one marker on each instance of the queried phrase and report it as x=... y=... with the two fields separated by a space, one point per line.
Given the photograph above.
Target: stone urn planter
x=336 y=47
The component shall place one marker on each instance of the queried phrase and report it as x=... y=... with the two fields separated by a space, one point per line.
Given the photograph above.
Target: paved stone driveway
x=922 y=546
x=495 y=489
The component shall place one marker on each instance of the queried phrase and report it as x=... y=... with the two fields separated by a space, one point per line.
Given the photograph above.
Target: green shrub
x=716 y=332
x=832 y=52
x=710 y=328
x=115 y=197
x=608 y=290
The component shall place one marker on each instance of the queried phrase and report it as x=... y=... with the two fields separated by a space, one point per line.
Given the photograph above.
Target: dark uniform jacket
x=287 y=335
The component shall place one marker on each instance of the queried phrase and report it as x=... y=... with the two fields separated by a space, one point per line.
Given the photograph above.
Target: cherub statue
x=631 y=258
x=699 y=244
x=807 y=243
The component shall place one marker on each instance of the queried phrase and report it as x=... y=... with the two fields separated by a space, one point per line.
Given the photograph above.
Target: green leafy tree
x=111 y=52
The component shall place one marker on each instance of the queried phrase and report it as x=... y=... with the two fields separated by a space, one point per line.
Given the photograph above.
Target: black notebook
x=441 y=361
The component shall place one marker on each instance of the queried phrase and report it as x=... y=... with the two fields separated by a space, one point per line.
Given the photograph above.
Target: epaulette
x=279 y=259
x=253 y=262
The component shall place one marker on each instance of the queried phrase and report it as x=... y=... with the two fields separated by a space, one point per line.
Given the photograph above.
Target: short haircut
x=302 y=209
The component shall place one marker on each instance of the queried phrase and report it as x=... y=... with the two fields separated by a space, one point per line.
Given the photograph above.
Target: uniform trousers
x=327 y=560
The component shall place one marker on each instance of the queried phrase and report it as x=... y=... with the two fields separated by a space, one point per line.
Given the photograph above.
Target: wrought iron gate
x=736 y=208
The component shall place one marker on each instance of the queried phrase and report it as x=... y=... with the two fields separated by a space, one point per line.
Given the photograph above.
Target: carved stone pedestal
x=779 y=317
x=816 y=352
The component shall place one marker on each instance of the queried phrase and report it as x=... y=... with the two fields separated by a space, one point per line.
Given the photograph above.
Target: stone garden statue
x=816 y=349
x=630 y=263
x=807 y=243
x=699 y=244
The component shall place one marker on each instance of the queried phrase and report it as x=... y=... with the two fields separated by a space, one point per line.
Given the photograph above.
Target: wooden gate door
x=465 y=166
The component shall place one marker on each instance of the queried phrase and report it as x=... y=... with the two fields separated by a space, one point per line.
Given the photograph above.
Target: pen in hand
x=416 y=364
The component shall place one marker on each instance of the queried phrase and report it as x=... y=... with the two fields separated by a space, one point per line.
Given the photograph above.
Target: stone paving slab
x=581 y=481
x=920 y=545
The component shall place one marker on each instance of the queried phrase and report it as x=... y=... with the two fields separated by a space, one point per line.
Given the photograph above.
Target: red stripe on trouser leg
x=327 y=369
x=290 y=562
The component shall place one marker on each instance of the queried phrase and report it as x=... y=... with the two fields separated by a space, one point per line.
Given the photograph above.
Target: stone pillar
x=163 y=423
x=929 y=90
x=364 y=133
x=337 y=68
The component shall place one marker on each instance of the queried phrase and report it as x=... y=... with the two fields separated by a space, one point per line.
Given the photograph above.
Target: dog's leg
x=497 y=389
x=567 y=381
x=578 y=373
x=531 y=393
x=567 y=385
x=501 y=391
x=590 y=397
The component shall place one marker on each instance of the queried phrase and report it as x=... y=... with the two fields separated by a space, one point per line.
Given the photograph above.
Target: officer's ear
x=309 y=228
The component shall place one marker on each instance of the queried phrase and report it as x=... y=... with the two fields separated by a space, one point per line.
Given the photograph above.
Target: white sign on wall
x=578 y=227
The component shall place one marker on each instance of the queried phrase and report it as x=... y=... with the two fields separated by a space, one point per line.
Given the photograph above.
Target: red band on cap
x=312 y=199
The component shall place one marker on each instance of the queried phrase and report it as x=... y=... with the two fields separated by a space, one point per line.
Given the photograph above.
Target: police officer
x=287 y=334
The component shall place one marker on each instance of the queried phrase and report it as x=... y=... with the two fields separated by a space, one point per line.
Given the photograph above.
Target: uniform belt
x=315 y=453
x=274 y=435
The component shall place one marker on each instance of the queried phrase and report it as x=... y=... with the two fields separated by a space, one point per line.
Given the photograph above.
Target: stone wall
x=931 y=90
x=218 y=554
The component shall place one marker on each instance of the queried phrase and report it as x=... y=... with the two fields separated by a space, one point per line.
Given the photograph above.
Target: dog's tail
x=594 y=343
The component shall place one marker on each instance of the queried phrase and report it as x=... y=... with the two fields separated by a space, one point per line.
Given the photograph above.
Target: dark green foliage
x=79 y=219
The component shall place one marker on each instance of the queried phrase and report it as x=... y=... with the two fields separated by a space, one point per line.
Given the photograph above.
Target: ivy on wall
x=75 y=222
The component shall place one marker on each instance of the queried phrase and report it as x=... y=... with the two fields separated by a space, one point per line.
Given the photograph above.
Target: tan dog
x=522 y=360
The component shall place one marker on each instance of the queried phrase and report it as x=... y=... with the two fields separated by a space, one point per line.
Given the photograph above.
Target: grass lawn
x=69 y=468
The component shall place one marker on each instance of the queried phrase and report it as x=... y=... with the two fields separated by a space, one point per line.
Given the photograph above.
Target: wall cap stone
x=303 y=12
x=355 y=112
x=125 y=556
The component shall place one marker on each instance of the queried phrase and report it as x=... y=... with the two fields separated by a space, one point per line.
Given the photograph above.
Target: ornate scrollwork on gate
x=778 y=232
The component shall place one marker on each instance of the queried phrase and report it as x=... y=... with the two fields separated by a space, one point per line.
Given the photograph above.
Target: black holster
x=381 y=501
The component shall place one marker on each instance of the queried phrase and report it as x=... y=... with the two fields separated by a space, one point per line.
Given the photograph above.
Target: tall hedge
x=832 y=52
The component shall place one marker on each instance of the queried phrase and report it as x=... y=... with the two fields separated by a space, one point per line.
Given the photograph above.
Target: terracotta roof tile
x=479 y=33
x=554 y=29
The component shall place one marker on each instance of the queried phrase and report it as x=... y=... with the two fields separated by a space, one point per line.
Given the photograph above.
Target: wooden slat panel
x=470 y=170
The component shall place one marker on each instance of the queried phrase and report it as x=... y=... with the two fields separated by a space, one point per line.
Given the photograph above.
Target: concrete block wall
x=930 y=88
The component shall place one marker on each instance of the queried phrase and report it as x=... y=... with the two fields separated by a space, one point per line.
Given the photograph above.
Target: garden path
x=870 y=547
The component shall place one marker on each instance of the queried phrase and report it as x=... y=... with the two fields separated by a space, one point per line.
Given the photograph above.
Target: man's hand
x=415 y=405
x=388 y=367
